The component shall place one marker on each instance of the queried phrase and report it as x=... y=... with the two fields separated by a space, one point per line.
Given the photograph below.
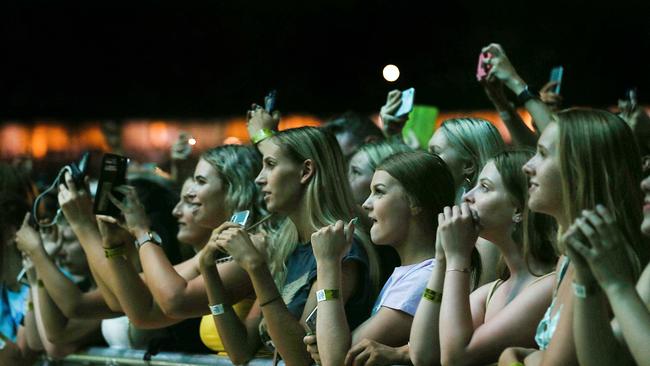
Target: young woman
x=361 y=168
x=584 y=158
x=303 y=178
x=403 y=213
x=477 y=327
x=466 y=144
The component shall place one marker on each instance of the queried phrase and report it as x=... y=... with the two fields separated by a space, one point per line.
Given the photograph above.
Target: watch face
x=156 y=237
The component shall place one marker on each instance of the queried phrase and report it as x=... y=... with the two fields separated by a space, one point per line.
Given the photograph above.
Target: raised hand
x=134 y=213
x=28 y=239
x=181 y=149
x=258 y=118
x=312 y=347
x=458 y=232
x=604 y=248
x=390 y=123
x=113 y=234
x=235 y=241
x=549 y=97
x=332 y=242
x=75 y=203
x=501 y=68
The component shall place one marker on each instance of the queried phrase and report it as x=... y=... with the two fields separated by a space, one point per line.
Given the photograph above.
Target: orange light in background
x=232 y=140
x=298 y=121
x=57 y=138
x=93 y=138
x=14 y=140
x=159 y=134
x=39 y=141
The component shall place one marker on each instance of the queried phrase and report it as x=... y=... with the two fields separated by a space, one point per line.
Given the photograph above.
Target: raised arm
x=602 y=262
x=501 y=69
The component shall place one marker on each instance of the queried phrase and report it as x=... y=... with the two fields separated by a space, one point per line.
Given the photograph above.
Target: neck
x=301 y=218
x=418 y=246
x=513 y=256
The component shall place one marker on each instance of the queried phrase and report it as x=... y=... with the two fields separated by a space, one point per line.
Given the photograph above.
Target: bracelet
x=261 y=135
x=114 y=252
x=270 y=301
x=327 y=295
x=581 y=291
x=462 y=270
x=517 y=363
x=433 y=296
x=217 y=309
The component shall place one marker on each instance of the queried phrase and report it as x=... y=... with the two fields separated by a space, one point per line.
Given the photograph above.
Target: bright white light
x=391 y=73
x=192 y=141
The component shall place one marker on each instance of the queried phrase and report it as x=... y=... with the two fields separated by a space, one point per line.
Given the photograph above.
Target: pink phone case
x=482 y=70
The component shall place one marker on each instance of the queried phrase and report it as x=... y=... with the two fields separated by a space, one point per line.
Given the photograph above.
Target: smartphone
x=408 y=96
x=269 y=100
x=482 y=69
x=240 y=217
x=556 y=75
x=310 y=321
x=113 y=174
x=630 y=94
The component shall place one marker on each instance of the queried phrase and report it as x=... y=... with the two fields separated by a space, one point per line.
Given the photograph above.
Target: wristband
x=433 y=296
x=517 y=363
x=217 y=309
x=114 y=252
x=581 y=291
x=261 y=135
x=526 y=95
x=327 y=295
x=462 y=270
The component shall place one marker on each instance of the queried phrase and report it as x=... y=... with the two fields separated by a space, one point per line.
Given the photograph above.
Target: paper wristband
x=261 y=135
x=217 y=309
x=432 y=296
x=114 y=252
x=326 y=295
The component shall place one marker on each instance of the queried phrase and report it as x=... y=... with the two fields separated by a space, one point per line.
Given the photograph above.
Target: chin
x=645 y=226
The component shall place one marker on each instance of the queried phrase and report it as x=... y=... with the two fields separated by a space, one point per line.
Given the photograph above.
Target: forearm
x=455 y=313
x=53 y=320
x=287 y=332
x=520 y=133
x=133 y=295
x=332 y=330
x=32 y=335
x=238 y=342
x=91 y=241
x=591 y=318
x=634 y=320
x=424 y=341
x=539 y=111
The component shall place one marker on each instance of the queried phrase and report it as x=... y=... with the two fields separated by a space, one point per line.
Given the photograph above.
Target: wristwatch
x=149 y=236
x=526 y=95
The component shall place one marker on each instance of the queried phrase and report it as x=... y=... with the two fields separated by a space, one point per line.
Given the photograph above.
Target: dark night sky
x=79 y=60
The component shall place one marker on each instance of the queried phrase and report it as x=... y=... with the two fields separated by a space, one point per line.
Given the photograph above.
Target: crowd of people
x=358 y=249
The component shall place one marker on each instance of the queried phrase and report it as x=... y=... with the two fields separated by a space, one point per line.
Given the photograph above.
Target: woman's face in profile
x=388 y=209
x=543 y=170
x=439 y=144
x=188 y=231
x=208 y=193
x=360 y=176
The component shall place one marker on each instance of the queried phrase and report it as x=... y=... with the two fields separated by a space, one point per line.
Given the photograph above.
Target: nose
x=529 y=167
x=469 y=196
x=645 y=184
x=367 y=204
x=176 y=212
x=260 y=180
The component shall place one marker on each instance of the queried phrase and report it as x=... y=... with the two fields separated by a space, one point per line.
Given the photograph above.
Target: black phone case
x=113 y=174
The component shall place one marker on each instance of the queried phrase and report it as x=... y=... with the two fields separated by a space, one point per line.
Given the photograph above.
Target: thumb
x=26 y=220
x=276 y=115
x=349 y=229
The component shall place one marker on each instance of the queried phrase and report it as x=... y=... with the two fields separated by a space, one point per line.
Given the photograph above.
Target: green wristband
x=433 y=296
x=327 y=295
x=261 y=135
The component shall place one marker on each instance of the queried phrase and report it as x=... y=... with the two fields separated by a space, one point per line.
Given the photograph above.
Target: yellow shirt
x=208 y=331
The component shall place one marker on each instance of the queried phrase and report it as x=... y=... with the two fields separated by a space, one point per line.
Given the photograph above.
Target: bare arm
x=424 y=340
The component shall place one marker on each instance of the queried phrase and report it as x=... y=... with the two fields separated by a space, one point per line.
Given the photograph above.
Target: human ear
x=518 y=216
x=308 y=170
x=469 y=168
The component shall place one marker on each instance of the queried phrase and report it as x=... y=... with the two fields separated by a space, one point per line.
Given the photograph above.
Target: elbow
x=419 y=358
x=447 y=359
x=239 y=358
x=172 y=305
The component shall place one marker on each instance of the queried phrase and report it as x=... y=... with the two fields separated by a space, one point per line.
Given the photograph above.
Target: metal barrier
x=112 y=357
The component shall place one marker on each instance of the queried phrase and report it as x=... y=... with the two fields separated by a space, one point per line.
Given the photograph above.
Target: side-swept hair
x=600 y=164
x=327 y=194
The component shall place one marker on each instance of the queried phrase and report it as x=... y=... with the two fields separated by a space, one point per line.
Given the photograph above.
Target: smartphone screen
x=408 y=96
x=310 y=321
x=240 y=217
x=556 y=75
x=113 y=174
x=269 y=101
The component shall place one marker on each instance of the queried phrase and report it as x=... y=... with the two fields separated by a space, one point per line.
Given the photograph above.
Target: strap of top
x=540 y=278
x=493 y=288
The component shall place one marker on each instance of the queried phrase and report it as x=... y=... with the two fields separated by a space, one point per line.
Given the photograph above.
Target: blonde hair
x=378 y=151
x=477 y=140
x=600 y=164
x=327 y=194
x=238 y=165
